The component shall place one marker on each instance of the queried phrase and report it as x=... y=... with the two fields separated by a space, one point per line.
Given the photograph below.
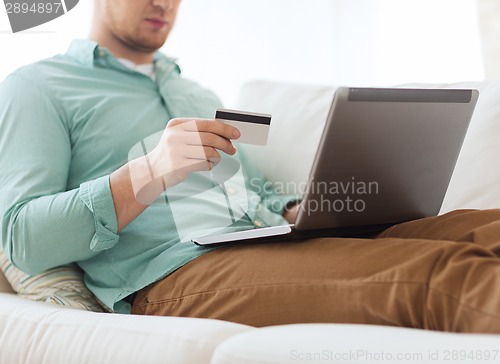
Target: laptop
x=386 y=156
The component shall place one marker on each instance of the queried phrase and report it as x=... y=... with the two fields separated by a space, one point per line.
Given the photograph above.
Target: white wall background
x=223 y=43
x=43 y=41
x=489 y=19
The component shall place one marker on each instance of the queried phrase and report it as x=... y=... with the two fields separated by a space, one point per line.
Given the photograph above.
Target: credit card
x=254 y=127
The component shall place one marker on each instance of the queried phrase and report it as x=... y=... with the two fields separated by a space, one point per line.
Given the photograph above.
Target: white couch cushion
x=299 y=114
x=476 y=179
x=33 y=332
x=343 y=343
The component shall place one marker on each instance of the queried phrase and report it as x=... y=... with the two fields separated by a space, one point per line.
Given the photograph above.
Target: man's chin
x=148 y=44
x=151 y=47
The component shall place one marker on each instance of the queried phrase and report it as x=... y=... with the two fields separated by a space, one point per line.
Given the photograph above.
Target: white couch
x=32 y=332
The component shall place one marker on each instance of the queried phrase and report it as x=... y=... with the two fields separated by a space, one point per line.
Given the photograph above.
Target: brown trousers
x=439 y=273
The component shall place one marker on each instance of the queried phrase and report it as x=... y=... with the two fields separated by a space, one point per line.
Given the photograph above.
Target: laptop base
x=287 y=233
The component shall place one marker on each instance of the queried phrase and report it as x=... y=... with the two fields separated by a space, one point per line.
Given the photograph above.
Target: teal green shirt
x=69 y=121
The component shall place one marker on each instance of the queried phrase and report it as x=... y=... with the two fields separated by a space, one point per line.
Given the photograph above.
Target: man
x=71 y=194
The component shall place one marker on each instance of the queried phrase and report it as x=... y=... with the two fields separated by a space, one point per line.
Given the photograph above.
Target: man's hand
x=190 y=145
x=186 y=146
x=290 y=213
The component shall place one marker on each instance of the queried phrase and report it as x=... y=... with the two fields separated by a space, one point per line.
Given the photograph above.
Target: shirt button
x=231 y=190
x=258 y=223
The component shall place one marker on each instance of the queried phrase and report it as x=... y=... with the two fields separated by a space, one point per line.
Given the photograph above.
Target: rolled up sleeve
x=97 y=197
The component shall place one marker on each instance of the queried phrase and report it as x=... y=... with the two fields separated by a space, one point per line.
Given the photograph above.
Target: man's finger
x=212 y=126
x=202 y=153
x=211 y=140
x=180 y=121
x=197 y=165
x=218 y=142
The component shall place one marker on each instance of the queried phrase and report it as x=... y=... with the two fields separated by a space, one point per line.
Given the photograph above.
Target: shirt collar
x=83 y=51
x=87 y=52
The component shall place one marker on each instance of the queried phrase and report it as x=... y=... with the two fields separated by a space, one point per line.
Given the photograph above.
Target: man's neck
x=120 y=50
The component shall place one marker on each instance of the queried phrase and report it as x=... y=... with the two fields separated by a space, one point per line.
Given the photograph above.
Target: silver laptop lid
x=385 y=156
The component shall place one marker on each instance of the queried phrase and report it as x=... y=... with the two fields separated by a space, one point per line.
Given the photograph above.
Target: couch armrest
x=43 y=333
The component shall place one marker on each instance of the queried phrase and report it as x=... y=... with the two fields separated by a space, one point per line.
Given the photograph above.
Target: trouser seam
x=295 y=284
x=226 y=290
